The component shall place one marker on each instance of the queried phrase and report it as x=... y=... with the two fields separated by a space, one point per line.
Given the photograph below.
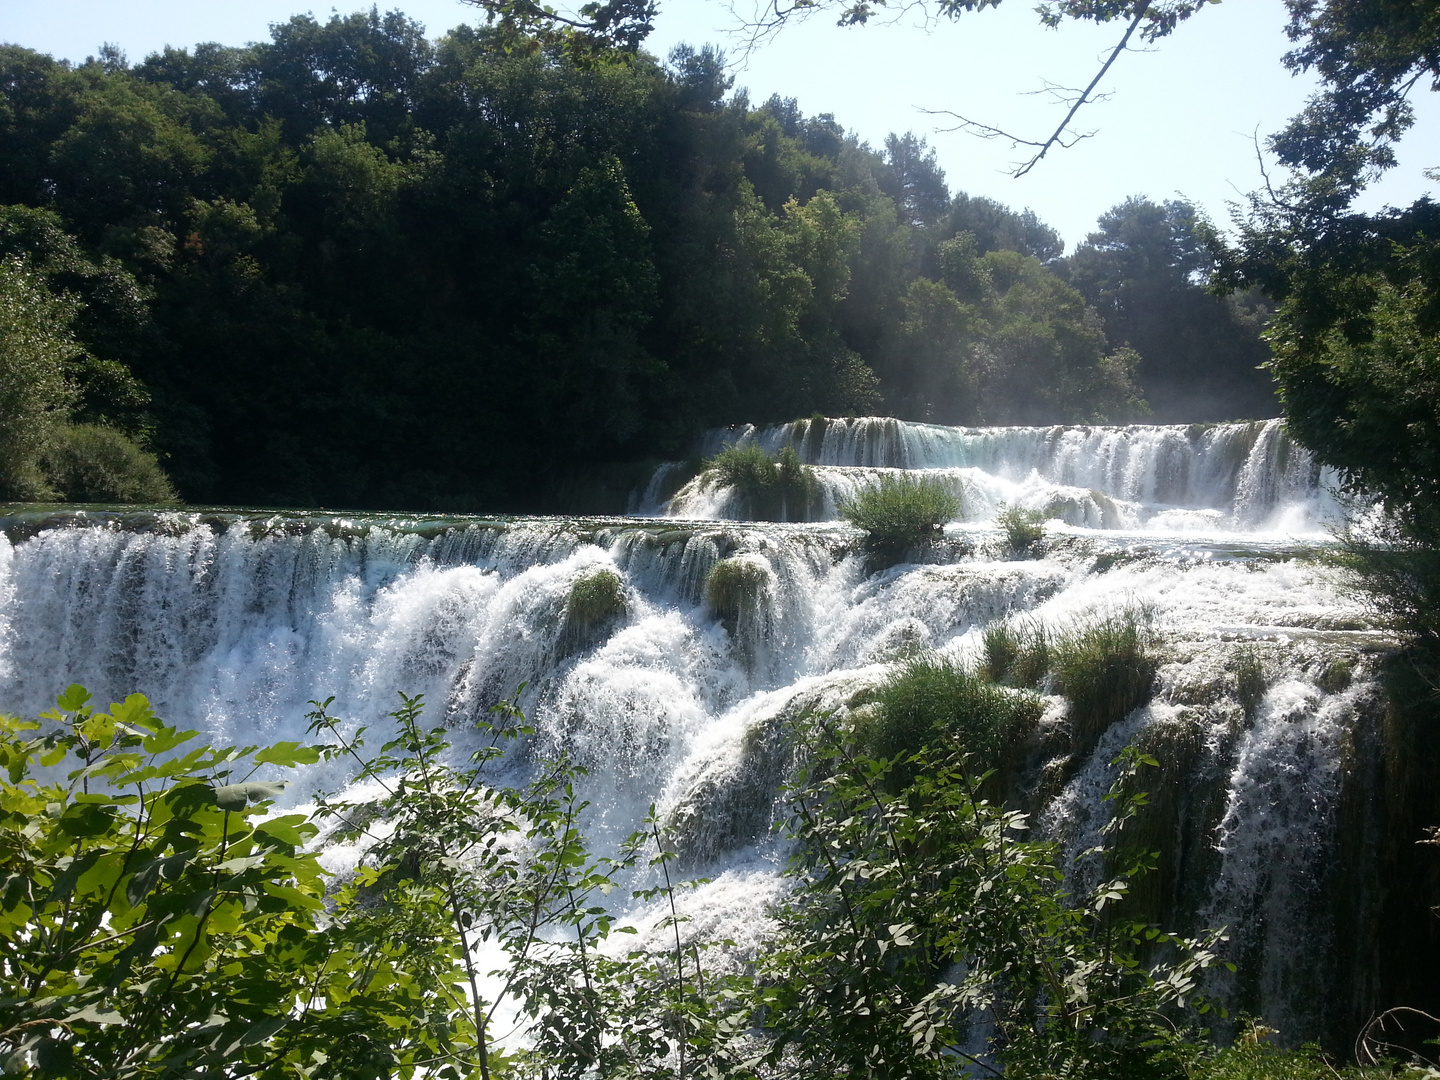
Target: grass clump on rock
x=1105 y=670
x=767 y=489
x=1021 y=527
x=933 y=700
x=1016 y=653
x=736 y=588
x=900 y=512
x=1250 y=680
x=595 y=599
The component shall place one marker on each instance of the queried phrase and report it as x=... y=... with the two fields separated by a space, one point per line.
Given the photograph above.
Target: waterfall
x=231 y=622
x=1177 y=478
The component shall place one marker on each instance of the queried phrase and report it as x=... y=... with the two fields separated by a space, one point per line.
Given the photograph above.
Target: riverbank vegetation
x=355 y=265
x=160 y=917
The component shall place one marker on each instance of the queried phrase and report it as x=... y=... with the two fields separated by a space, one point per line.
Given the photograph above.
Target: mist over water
x=232 y=622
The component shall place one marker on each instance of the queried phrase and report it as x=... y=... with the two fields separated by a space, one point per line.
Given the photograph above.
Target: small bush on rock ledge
x=900 y=512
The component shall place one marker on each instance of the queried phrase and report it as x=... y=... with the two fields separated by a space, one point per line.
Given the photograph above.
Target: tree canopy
x=356 y=266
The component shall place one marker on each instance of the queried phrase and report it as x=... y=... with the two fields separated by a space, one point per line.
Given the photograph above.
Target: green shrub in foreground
x=158 y=921
x=1253 y=1058
x=911 y=913
x=91 y=463
x=900 y=511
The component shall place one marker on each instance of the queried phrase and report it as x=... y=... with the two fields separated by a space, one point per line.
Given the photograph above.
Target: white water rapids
x=232 y=621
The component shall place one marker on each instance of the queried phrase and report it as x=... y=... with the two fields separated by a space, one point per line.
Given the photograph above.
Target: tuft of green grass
x=1016 y=653
x=1021 y=527
x=595 y=599
x=900 y=512
x=1338 y=674
x=1104 y=670
x=768 y=489
x=932 y=700
x=745 y=467
x=91 y=463
x=735 y=588
x=1250 y=680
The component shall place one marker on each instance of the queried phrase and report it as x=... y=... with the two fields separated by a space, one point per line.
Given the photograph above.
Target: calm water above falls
x=232 y=622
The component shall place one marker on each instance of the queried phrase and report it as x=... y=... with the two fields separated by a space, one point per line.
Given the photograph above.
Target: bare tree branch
x=1058 y=136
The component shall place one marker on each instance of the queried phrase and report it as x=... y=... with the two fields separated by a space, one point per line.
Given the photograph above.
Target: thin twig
x=1057 y=137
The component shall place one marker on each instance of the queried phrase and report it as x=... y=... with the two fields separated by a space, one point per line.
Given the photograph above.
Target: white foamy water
x=232 y=623
x=1175 y=478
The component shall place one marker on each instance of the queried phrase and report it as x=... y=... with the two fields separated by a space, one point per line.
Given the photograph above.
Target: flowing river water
x=232 y=621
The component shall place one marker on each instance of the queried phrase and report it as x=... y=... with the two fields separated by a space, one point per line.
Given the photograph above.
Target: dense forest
x=355 y=266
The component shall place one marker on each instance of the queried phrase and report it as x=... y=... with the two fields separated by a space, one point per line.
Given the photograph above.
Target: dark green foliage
x=1105 y=670
x=899 y=512
x=90 y=463
x=1369 y=57
x=1021 y=527
x=506 y=263
x=935 y=702
x=36 y=346
x=1144 y=271
x=111 y=322
x=1356 y=337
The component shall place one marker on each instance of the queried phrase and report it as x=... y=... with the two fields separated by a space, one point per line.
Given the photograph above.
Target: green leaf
x=288 y=754
x=135 y=712
x=164 y=739
x=94 y=1014
x=237 y=796
x=85 y=820
x=256 y=1034
x=74 y=698
x=99 y=729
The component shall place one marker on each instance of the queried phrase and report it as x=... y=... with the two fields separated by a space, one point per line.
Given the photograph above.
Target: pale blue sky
x=1181 y=120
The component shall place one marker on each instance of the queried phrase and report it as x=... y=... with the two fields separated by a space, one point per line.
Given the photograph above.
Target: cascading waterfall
x=231 y=622
x=1197 y=478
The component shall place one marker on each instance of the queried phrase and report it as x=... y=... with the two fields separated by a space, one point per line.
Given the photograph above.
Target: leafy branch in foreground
x=480 y=866
x=915 y=915
x=156 y=919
